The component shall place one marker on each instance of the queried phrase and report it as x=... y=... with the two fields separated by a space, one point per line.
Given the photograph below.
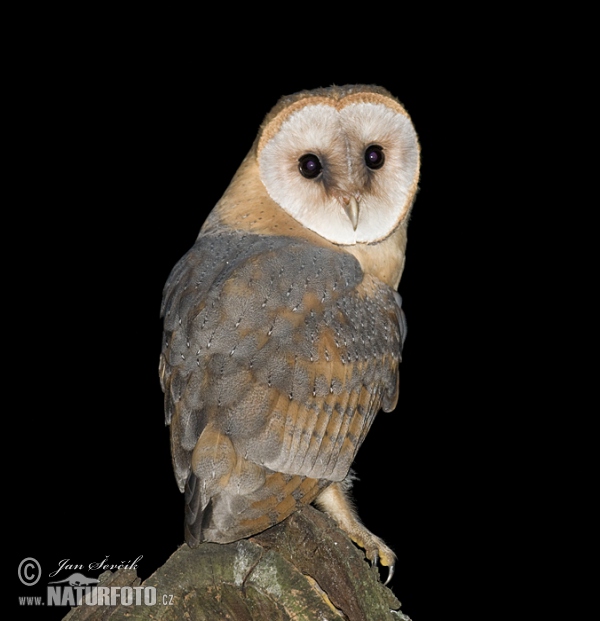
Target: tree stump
x=303 y=569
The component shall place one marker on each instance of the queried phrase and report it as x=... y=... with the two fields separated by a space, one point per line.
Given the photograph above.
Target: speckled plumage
x=286 y=350
x=280 y=345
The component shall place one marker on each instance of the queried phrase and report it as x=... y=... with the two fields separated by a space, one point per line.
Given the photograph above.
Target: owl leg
x=336 y=502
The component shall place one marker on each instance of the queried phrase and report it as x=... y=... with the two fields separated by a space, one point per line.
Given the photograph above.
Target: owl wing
x=276 y=351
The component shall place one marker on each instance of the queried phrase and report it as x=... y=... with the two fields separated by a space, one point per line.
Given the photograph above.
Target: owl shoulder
x=279 y=266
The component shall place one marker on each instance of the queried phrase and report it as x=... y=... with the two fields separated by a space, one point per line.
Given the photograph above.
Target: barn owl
x=282 y=325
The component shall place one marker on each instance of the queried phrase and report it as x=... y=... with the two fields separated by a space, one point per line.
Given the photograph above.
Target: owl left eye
x=310 y=166
x=374 y=157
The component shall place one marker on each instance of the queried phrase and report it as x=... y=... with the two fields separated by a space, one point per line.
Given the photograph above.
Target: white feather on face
x=341 y=137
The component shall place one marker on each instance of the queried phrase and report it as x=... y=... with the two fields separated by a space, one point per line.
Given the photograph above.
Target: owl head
x=342 y=161
x=338 y=166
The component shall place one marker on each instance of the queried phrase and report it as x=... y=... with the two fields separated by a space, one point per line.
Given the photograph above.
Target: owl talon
x=381 y=555
x=375 y=562
x=390 y=574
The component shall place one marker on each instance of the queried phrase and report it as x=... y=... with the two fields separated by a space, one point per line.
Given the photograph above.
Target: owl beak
x=350 y=205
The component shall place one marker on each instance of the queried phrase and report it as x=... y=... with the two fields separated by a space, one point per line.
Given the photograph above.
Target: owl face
x=345 y=167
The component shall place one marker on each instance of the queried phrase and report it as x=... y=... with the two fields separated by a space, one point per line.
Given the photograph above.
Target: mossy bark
x=304 y=569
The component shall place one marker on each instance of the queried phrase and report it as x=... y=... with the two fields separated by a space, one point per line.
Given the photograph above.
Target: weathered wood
x=304 y=569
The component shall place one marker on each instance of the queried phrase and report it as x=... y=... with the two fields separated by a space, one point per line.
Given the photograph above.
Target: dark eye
x=310 y=166
x=374 y=157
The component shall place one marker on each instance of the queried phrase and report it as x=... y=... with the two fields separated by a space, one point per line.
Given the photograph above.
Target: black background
x=122 y=150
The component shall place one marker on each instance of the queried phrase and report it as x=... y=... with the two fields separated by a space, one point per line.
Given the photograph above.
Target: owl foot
x=335 y=502
x=376 y=551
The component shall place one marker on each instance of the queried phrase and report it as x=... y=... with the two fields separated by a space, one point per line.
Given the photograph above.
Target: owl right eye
x=310 y=166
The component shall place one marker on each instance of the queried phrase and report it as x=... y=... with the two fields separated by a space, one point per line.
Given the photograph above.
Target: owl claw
x=375 y=562
x=379 y=554
x=390 y=574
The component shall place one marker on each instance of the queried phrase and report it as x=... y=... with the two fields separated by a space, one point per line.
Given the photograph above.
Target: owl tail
x=193 y=512
x=230 y=516
x=213 y=462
